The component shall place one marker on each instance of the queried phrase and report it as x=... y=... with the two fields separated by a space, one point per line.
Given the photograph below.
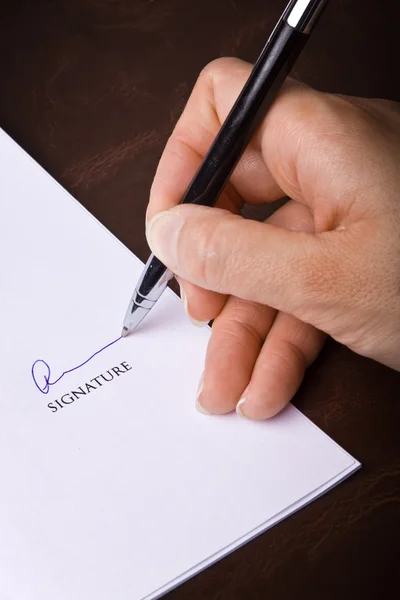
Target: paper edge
x=76 y=201
x=290 y=510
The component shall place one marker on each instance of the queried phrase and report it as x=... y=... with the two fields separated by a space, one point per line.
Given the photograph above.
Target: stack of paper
x=113 y=486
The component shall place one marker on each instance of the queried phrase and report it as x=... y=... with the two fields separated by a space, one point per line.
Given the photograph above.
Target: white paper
x=127 y=491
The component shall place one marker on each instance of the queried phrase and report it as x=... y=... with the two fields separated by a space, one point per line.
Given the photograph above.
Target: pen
x=269 y=73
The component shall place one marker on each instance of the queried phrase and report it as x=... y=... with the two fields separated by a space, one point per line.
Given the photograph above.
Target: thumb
x=291 y=271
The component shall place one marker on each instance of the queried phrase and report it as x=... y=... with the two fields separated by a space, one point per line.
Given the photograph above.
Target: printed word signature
x=41 y=372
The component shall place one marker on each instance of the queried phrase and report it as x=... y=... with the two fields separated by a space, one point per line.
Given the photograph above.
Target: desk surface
x=91 y=89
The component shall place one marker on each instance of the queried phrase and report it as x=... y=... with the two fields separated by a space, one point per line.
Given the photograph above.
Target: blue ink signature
x=41 y=372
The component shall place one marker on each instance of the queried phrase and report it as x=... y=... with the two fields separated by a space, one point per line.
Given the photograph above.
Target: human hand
x=327 y=262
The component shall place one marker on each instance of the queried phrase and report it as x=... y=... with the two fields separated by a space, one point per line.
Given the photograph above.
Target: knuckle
x=308 y=114
x=248 y=332
x=207 y=73
x=297 y=123
x=244 y=320
x=206 y=263
x=301 y=103
x=223 y=253
x=215 y=68
x=288 y=359
x=291 y=357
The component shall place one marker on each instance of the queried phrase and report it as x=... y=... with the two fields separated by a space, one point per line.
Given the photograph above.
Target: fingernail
x=199 y=407
x=146 y=218
x=239 y=405
x=185 y=304
x=162 y=234
x=183 y=297
x=197 y=323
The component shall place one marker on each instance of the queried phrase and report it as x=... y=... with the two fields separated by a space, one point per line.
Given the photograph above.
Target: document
x=112 y=485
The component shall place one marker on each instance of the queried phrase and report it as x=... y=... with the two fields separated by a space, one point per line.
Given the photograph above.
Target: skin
x=326 y=263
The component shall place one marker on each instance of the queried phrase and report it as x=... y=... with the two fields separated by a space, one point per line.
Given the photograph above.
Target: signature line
x=45 y=376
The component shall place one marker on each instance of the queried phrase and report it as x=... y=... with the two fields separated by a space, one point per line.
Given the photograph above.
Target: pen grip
x=270 y=71
x=258 y=94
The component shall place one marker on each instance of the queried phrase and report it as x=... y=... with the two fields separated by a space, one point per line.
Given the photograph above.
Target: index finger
x=214 y=94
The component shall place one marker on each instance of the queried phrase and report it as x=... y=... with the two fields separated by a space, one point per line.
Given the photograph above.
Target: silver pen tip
x=134 y=316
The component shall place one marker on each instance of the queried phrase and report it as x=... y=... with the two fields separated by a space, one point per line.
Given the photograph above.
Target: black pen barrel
x=257 y=96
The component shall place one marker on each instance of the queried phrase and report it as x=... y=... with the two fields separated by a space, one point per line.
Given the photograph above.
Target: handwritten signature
x=41 y=372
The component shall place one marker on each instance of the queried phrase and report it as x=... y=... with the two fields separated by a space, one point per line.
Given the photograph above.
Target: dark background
x=91 y=89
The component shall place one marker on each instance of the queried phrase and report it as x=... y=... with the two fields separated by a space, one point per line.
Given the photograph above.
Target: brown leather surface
x=91 y=89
